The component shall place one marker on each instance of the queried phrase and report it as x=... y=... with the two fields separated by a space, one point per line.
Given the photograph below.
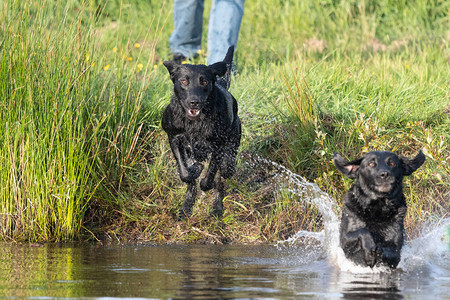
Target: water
x=309 y=265
x=203 y=272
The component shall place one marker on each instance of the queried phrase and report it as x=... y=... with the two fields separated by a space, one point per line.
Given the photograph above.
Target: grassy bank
x=82 y=86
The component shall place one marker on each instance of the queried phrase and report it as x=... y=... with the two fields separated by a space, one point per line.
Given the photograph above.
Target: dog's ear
x=170 y=66
x=411 y=165
x=219 y=68
x=347 y=168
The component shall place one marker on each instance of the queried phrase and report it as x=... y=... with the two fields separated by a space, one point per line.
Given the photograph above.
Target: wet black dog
x=371 y=232
x=200 y=120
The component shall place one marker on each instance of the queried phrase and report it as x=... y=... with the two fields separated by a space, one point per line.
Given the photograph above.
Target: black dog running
x=372 y=230
x=200 y=120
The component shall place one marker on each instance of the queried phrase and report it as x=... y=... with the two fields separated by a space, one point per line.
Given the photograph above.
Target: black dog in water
x=202 y=119
x=371 y=232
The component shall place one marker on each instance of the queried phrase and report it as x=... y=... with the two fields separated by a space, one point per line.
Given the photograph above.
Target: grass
x=82 y=86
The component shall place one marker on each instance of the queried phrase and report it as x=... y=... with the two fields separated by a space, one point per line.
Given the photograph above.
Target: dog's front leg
x=207 y=182
x=188 y=168
x=359 y=245
x=356 y=241
x=218 y=199
x=394 y=237
x=189 y=201
x=370 y=250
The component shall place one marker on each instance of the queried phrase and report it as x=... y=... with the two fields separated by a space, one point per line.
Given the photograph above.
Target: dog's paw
x=371 y=258
x=374 y=257
x=191 y=173
x=379 y=252
x=370 y=250
x=195 y=170
x=205 y=185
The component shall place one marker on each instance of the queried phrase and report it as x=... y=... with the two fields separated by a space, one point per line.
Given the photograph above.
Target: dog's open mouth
x=385 y=187
x=193 y=113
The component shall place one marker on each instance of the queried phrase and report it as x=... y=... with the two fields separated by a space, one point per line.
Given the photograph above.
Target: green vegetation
x=82 y=88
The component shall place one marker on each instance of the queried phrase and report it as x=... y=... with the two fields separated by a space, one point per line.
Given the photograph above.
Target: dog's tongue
x=194 y=112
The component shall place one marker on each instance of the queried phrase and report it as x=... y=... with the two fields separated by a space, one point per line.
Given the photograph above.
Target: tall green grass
x=71 y=130
x=45 y=82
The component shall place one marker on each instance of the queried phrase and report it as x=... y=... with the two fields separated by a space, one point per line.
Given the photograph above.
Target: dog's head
x=193 y=84
x=380 y=171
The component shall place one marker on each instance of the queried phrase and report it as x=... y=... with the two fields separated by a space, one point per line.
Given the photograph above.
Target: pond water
x=207 y=272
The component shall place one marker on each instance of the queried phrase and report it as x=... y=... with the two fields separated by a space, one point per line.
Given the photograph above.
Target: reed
x=45 y=78
x=71 y=131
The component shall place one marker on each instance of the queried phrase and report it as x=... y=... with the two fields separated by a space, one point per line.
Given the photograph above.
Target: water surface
x=202 y=272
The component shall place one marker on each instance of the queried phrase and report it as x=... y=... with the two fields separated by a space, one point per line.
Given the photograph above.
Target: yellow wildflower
x=155 y=66
x=139 y=67
x=87 y=57
x=93 y=64
x=106 y=67
x=130 y=58
x=114 y=49
x=407 y=66
x=137 y=45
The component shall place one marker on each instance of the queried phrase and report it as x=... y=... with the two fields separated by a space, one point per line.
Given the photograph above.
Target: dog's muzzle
x=194 y=110
x=193 y=113
x=385 y=183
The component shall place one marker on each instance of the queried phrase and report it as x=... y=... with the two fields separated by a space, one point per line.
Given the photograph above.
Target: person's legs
x=186 y=38
x=223 y=30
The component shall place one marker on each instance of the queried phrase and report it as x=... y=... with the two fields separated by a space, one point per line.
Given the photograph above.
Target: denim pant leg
x=186 y=38
x=223 y=29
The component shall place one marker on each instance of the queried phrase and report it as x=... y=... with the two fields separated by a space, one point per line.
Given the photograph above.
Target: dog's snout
x=384 y=174
x=194 y=104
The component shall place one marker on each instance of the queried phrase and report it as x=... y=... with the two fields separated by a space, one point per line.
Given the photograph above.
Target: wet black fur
x=201 y=121
x=372 y=230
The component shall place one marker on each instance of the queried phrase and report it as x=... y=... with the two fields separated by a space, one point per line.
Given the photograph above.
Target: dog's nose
x=194 y=104
x=384 y=174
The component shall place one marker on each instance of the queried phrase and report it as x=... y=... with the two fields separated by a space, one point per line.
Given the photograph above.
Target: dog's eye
x=203 y=82
x=392 y=164
x=184 y=82
x=371 y=164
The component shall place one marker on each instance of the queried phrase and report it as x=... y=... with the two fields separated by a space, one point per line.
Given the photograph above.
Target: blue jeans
x=223 y=29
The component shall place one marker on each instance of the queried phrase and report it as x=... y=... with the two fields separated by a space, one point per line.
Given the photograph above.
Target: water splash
x=310 y=193
x=428 y=253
